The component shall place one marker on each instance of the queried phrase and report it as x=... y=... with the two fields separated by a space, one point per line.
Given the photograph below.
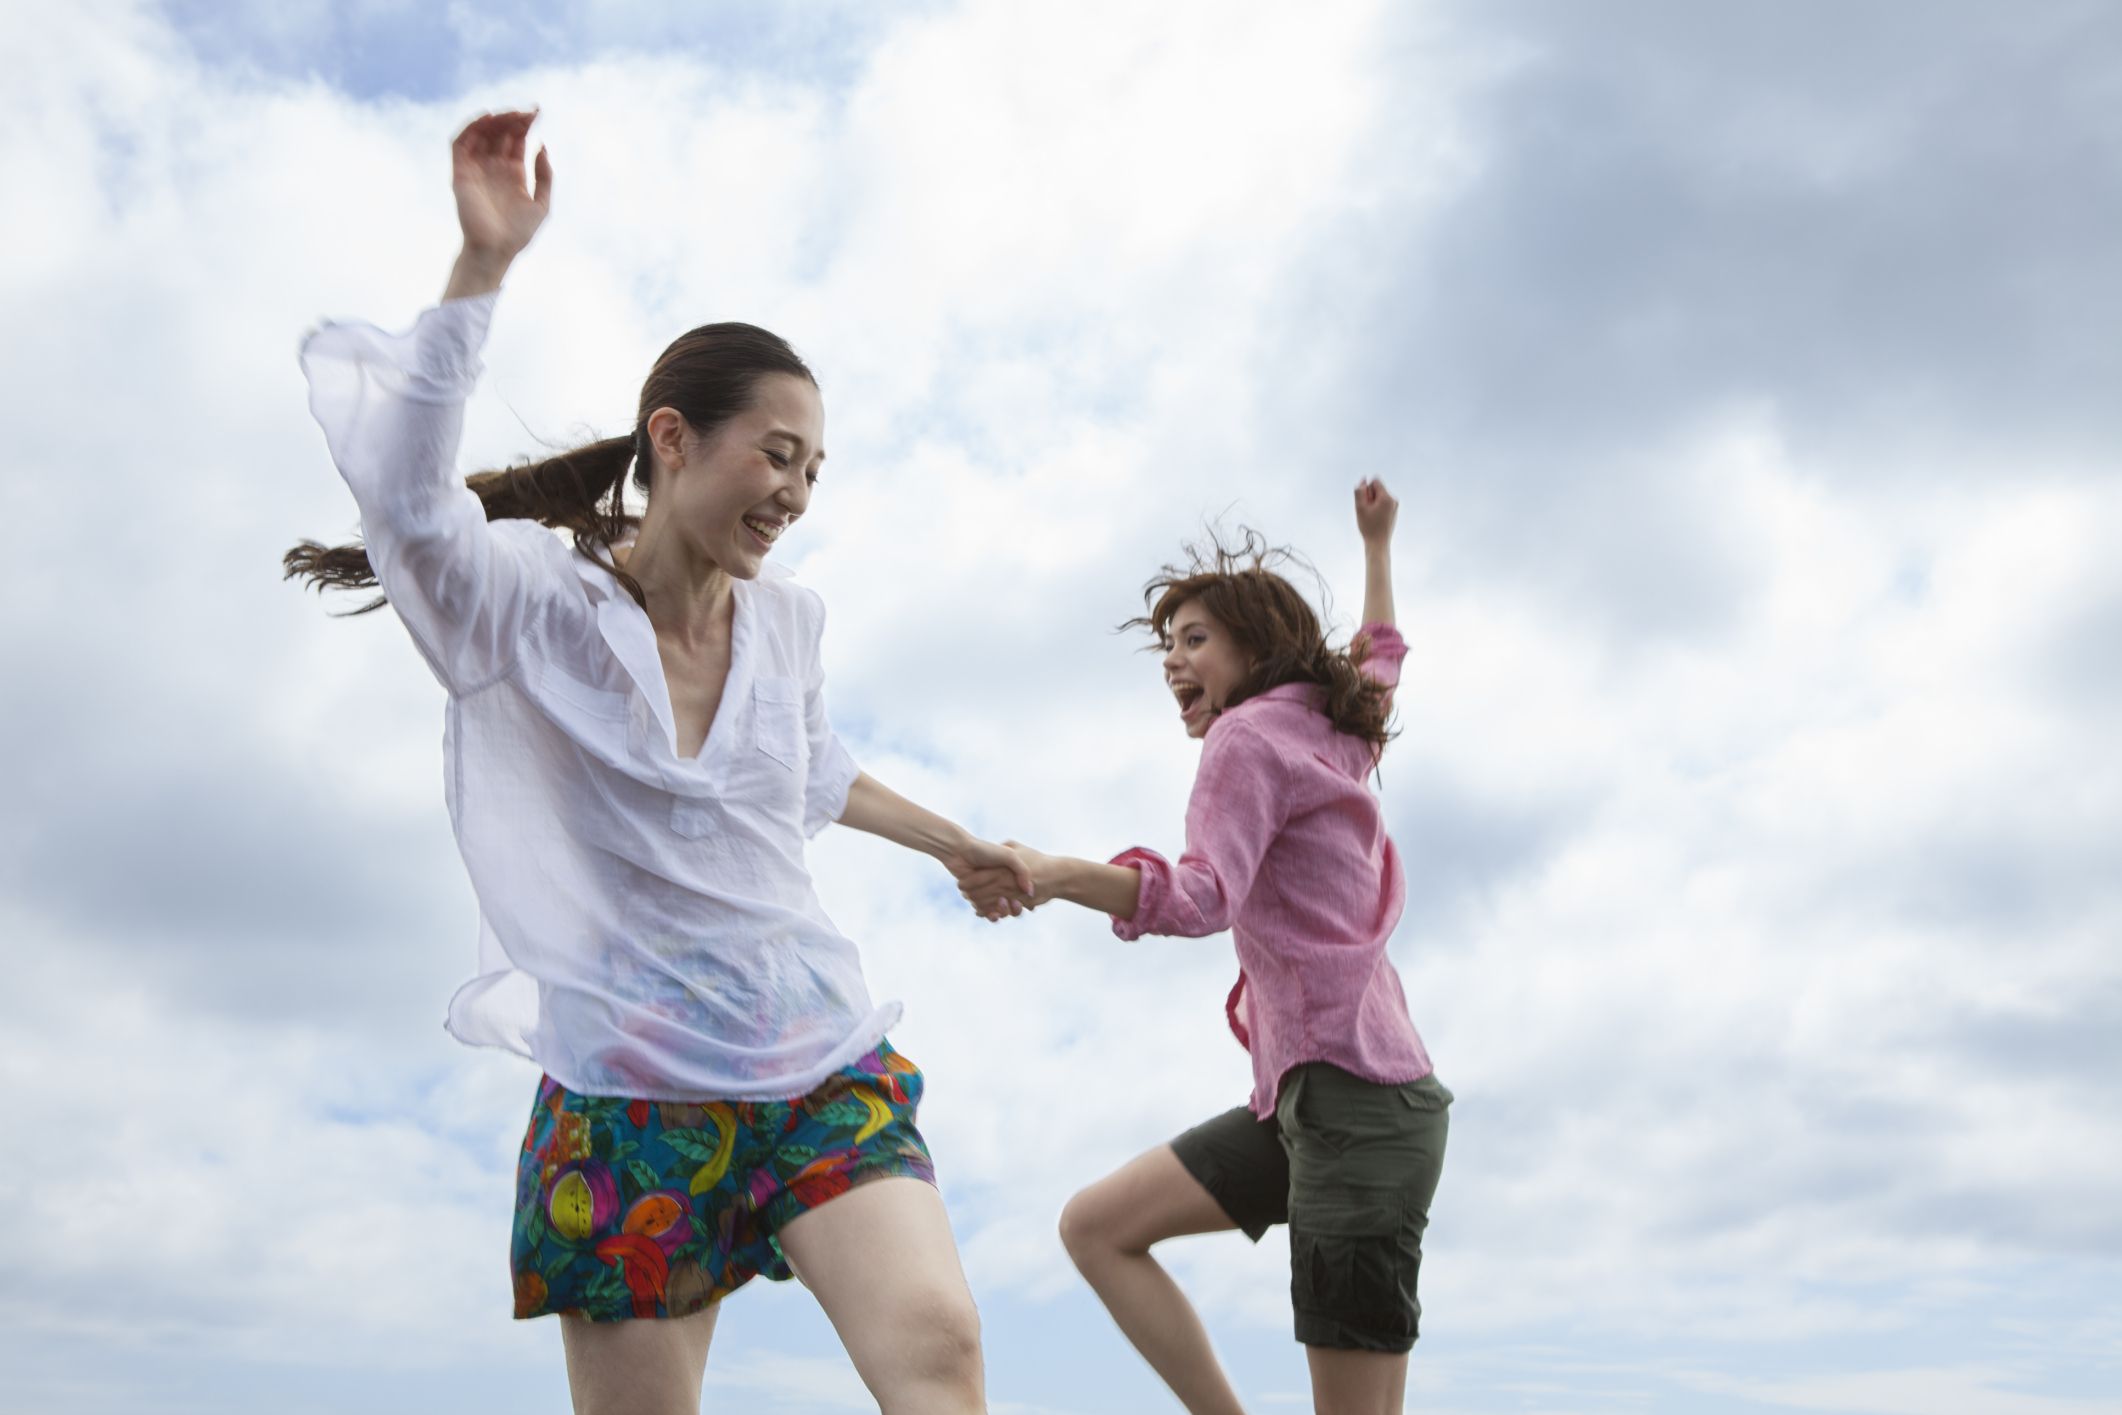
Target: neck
x=688 y=594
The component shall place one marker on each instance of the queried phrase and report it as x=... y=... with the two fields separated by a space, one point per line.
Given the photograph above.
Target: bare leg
x=1109 y=1228
x=882 y=1263
x=639 y=1367
x=1357 y=1382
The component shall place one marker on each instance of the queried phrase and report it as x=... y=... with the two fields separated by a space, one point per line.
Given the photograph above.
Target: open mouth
x=1189 y=696
x=764 y=531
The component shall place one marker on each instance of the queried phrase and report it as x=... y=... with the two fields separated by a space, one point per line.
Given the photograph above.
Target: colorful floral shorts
x=636 y=1208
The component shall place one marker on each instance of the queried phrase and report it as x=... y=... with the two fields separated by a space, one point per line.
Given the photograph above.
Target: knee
x=942 y=1342
x=1084 y=1230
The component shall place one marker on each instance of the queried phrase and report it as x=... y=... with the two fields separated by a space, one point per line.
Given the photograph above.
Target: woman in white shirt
x=637 y=747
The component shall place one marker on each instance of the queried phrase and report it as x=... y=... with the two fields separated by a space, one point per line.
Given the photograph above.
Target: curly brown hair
x=1274 y=626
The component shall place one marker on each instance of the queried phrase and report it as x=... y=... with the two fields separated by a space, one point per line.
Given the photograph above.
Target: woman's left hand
x=496 y=211
x=1376 y=511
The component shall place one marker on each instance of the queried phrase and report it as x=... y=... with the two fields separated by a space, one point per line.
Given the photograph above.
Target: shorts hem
x=787 y=1207
x=1210 y=1176
x=1333 y=1334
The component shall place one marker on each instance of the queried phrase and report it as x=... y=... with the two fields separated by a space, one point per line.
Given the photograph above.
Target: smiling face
x=1202 y=665
x=731 y=494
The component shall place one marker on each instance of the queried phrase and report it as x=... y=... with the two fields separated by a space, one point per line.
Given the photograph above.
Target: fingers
x=1018 y=849
x=542 y=170
x=992 y=894
x=999 y=907
x=985 y=898
x=999 y=889
x=496 y=137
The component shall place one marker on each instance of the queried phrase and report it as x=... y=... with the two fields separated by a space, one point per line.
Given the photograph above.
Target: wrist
x=945 y=840
x=1075 y=881
x=478 y=270
x=1057 y=875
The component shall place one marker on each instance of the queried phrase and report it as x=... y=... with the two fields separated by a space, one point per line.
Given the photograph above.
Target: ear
x=666 y=438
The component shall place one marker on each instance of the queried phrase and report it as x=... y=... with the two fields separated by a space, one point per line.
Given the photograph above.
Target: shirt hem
x=857 y=1045
x=1428 y=1070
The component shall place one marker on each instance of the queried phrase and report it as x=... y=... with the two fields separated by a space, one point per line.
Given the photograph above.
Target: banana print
x=710 y=1174
x=880 y=1114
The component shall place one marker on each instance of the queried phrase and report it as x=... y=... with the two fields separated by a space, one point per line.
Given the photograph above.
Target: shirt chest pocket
x=777 y=721
x=766 y=767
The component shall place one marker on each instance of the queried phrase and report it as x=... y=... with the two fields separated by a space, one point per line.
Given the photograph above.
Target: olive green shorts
x=1351 y=1167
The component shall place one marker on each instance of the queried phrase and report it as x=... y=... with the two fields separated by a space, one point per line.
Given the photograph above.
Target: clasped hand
x=997 y=892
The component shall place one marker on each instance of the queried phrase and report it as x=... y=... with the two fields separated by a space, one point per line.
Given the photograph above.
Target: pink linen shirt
x=1286 y=847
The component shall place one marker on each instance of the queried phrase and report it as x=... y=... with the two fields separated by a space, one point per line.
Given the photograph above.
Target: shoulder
x=777 y=592
x=534 y=538
x=547 y=554
x=791 y=615
x=1249 y=734
x=1274 y=714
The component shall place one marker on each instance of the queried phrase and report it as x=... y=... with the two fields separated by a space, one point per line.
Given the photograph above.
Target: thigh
x=1147 y=1200
x=883 y=1264
x=1239 y=1159
x=1357 y=1382
x=647 y=1365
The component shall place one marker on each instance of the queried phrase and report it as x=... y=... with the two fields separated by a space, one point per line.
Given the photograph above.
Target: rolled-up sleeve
x=1236 y=811
x=832 y=769
x=392 y=410
x=1386 y=652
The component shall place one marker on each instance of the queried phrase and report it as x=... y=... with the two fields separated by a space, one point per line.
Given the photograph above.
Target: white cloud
x=1716 y=934
x=1964 y=1390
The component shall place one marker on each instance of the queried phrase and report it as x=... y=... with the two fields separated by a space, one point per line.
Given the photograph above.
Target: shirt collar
x=632 y=640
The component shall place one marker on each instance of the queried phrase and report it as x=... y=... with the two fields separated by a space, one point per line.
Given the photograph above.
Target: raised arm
x=1375 y=513
x=496 y=213
x=392 y=410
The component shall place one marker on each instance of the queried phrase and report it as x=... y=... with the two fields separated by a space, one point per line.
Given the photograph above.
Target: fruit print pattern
x=637 y=1208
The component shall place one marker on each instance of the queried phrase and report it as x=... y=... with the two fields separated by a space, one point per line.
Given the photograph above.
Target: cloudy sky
x=1748 y=374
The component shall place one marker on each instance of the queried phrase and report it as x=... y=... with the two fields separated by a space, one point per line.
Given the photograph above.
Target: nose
x=795 y=496
x=1171 y=658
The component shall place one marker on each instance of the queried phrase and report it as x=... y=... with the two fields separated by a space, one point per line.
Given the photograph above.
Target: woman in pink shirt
x=1286 y=847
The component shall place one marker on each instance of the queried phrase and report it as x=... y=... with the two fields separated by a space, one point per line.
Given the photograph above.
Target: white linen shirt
x=648 y=926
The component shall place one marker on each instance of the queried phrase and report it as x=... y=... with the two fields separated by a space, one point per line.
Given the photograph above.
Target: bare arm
x=1376 y=511
x=878 y=810
x=1103 y=888
x=1109 y=889
x=496 y=212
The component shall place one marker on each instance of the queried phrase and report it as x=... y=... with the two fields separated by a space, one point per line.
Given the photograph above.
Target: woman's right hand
x=496 y=211
x=996 y=894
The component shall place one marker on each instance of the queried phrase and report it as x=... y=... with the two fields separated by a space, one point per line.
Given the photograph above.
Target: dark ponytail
x=708 y=375
x=1274 y=627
